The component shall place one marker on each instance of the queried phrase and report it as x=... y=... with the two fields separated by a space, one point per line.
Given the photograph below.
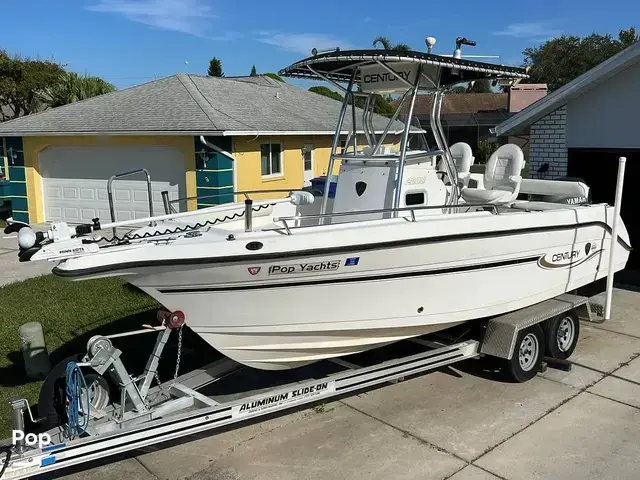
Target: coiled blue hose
x=75 y=383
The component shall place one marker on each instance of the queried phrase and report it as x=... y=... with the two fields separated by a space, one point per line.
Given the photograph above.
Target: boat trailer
x=191 y=403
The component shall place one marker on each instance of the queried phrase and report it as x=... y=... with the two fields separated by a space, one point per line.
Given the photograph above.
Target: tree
x=458 y=89
x=22 y=81
x=484 y=150
x=382 y=106
x=215 y=68
x=253 y=73
x=480 y=86
x=275 y=76
x=387 y=45
x=560 y=60
x=72 y=87
x=327 y=92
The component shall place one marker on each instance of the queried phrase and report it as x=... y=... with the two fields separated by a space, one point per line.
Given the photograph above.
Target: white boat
x=398 y=251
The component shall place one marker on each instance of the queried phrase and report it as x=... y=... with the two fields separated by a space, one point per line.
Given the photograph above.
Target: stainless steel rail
x=386 y=158
x=411 y=210
x=168 y=204
x=122 y=175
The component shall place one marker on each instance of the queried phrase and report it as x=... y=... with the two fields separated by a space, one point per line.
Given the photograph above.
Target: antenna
x=315 y=51
x=430 y=41
x=457 y=53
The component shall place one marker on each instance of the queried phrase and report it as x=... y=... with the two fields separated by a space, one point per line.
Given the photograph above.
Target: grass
x=70 y=313
x=2 y=224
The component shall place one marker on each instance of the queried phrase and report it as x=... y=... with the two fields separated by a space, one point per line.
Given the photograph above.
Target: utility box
x=34 y=351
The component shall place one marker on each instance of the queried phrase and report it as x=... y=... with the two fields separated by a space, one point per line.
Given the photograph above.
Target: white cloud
x=303 y=42
x=531 y=31
x=186 y=16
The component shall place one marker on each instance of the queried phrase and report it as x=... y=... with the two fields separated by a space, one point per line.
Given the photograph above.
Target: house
x=469 y=117
x=581 y=129
x=58 y=161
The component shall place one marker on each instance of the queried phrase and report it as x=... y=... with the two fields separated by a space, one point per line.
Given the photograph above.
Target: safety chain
x=175 y=375
x=179 y=356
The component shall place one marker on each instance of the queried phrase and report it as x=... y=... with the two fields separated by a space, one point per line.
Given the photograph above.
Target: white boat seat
x=501 y=177
x=463 y=159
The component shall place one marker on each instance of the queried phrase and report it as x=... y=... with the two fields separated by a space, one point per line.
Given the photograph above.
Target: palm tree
x=72 y=88
x=387 y=45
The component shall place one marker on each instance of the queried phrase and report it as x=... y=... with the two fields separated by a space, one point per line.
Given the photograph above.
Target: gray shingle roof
x=192 y=104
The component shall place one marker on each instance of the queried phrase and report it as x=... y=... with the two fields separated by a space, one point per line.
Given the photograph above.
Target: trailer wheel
x=561 y=335
x=528 y=354
x=52 y=398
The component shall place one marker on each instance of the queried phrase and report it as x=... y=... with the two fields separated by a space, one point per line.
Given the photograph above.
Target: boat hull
x=288 y=312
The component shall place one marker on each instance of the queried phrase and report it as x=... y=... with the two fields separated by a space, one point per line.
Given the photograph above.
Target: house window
x=271 y=159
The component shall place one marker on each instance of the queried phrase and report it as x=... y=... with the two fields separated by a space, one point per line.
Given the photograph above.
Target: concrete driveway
x=451 y=424
x=11 y=270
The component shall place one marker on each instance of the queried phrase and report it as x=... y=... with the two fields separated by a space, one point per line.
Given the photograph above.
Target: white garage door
x=74 y=181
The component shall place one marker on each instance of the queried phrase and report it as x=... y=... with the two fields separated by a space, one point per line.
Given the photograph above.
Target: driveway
x=457 y=423
x=11 y=270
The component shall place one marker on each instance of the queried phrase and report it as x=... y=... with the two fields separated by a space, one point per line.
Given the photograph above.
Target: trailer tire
x=561 y=335
x=51 y=400
x=527 y=356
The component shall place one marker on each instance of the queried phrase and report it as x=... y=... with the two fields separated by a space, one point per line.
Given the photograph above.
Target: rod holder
x=165 y=202
x=614 y=237
x=248 y=215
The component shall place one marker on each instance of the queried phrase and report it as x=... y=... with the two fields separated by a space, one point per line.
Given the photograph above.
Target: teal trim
x=214 y=171
x=19 y=203
x=14 y=153
x=5 y=188
x=14 y=142
x=225 y=196
x=214 y=160
x=214 y=179
x=223 y=143
x=17 y=174
x=1 y=146
x=18 y=189
x=20 y=216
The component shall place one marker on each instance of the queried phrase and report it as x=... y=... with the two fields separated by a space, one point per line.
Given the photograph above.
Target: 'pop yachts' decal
x=569 y=258
x=329 y=265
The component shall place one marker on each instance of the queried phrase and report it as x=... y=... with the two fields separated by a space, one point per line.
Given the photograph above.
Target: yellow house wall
x=34 y=145
x=248 y=169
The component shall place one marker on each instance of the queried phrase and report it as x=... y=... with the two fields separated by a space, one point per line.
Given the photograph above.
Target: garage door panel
x=70 y=193
x=75 y=181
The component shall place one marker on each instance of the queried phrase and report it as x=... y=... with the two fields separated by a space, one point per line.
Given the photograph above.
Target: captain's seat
x=463 y=159
x=501 y=177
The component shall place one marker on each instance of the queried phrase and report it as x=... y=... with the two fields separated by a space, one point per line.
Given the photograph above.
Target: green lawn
x=70 y=313
x=2 y=224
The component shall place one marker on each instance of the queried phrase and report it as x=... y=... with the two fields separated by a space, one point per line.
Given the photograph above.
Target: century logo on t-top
x=327 y=266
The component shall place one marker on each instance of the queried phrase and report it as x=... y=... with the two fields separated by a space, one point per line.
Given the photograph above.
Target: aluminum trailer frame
x=187 y=411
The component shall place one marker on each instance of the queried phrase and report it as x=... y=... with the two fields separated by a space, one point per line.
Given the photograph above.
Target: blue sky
x=132 y=41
